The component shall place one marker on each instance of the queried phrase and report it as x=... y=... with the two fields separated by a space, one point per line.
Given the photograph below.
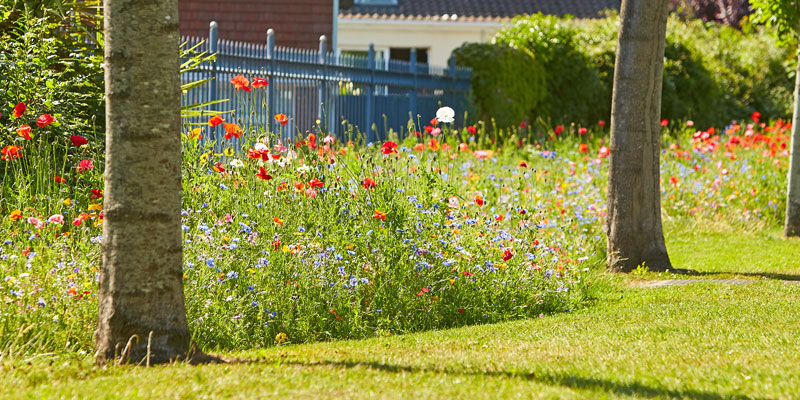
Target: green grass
x=698 y=341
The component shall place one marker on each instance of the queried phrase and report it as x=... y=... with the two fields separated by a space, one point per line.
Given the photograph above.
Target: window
x=404 y=53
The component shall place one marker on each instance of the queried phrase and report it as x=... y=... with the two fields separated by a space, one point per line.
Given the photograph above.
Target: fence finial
x=270 y=32
x=213 y=25
x=323 y=38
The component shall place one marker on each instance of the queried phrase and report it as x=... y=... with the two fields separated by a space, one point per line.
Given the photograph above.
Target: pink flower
x=436 y=132
x=56 y=219
x=311 y=193
x=36 y=222
x=603 y=152
x=85 y=165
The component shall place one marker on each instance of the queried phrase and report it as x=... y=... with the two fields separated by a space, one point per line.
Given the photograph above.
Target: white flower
x=261 y=147
x=237 y=163
x=446 y=115
x=304 y=169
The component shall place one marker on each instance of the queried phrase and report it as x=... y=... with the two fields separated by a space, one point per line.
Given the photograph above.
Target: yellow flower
x=281 y=338
x=67 y=201
x=228 y=152
x=96 y=207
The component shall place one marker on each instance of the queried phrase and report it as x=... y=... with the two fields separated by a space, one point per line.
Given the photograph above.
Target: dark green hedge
x=508 y=83
x=712 y=73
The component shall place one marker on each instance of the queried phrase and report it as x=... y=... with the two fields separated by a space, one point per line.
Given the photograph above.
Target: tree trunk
x=141 y=286
x=792 y=226
x=635 y=235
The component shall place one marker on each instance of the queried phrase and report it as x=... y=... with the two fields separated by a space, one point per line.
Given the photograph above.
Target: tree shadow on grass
x=572 y=381
x=766 y=275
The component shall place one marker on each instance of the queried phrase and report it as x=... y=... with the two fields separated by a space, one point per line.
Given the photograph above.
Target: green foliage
x=783 y=15
x=574 y=88
x=508 y=84
x=712 y=73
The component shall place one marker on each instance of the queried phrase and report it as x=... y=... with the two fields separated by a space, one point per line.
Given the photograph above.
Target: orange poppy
x=282 y=118
x=232 y=130
x=240 y=82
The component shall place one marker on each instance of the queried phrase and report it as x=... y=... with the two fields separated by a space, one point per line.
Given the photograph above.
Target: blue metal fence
x=323 y=91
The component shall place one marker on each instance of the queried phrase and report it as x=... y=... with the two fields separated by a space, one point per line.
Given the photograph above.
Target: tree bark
x=141 y=285
x=792 y=225
x=635 y=234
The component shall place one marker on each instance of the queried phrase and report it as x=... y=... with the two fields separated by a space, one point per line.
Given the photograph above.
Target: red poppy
x=11 y=152
x=368 y=183
x=259 y=82
x=673 y=180
x=582 y=131
x=215 y=120
x=219 y=167
x=428 y=129
x=379 y=215
x=240 y=82
x=434 y=121
x=601 y=123
x=78 y=140
x=499 y=217
x=583 y=148
x=479 y=200
x=282 y=118
x=664 y=122
x=24 y=131
x=559 y=129
x=44 y=120
x=59 y=179
x=507 y=254
x=262 y=174
x=19 y=110
x=472 y=130
x=389 y=148
x=419 y=147
x=232 y=130
x=467 y=273
x=277 y=221
x=434 y=144
x=523 y=164
x=523 y=125
x=316 y=183
x=299 y=185
x=603 y=152
x=755 y=116
x=96 y=194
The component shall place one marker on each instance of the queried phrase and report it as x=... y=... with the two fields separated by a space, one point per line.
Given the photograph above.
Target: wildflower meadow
x=321 y=237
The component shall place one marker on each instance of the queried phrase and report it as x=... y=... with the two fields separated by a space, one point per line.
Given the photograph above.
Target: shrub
x=507 y=83
x=575 y=90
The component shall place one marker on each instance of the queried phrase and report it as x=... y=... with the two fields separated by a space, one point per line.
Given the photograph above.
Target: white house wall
x=439 y=37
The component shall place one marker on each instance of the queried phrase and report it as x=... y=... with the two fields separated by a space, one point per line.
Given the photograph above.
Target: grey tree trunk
x=635 y=234
x=792 y=225
x=141 y=287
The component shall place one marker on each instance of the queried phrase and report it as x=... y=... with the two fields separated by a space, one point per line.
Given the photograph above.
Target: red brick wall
x=297 y=23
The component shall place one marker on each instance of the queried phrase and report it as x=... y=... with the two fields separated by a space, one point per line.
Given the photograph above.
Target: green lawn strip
x=700 y=341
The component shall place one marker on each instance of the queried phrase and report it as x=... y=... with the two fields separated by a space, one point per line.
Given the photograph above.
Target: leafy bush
x=575 y=90
x=712 y=73
x=508 y=83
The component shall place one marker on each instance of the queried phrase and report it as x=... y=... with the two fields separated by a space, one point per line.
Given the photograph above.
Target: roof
x=476 y=10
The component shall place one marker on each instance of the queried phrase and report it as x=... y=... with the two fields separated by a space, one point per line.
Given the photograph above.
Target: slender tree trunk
x=142 y=309
x=792 y=226
x=635 y=235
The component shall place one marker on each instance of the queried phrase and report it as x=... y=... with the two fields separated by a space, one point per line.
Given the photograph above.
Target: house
x=297 y=23
x=436 y=27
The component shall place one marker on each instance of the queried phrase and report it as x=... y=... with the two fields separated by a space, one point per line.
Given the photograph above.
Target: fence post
x=271 y=79
x=453 y=84
x=322 y=73
x=370 y=92
x=213 y=39
x=412 y=94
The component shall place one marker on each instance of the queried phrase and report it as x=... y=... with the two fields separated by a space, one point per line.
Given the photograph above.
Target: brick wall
x=297 y=23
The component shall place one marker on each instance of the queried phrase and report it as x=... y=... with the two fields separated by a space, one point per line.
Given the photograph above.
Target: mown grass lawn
x=697 y=341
